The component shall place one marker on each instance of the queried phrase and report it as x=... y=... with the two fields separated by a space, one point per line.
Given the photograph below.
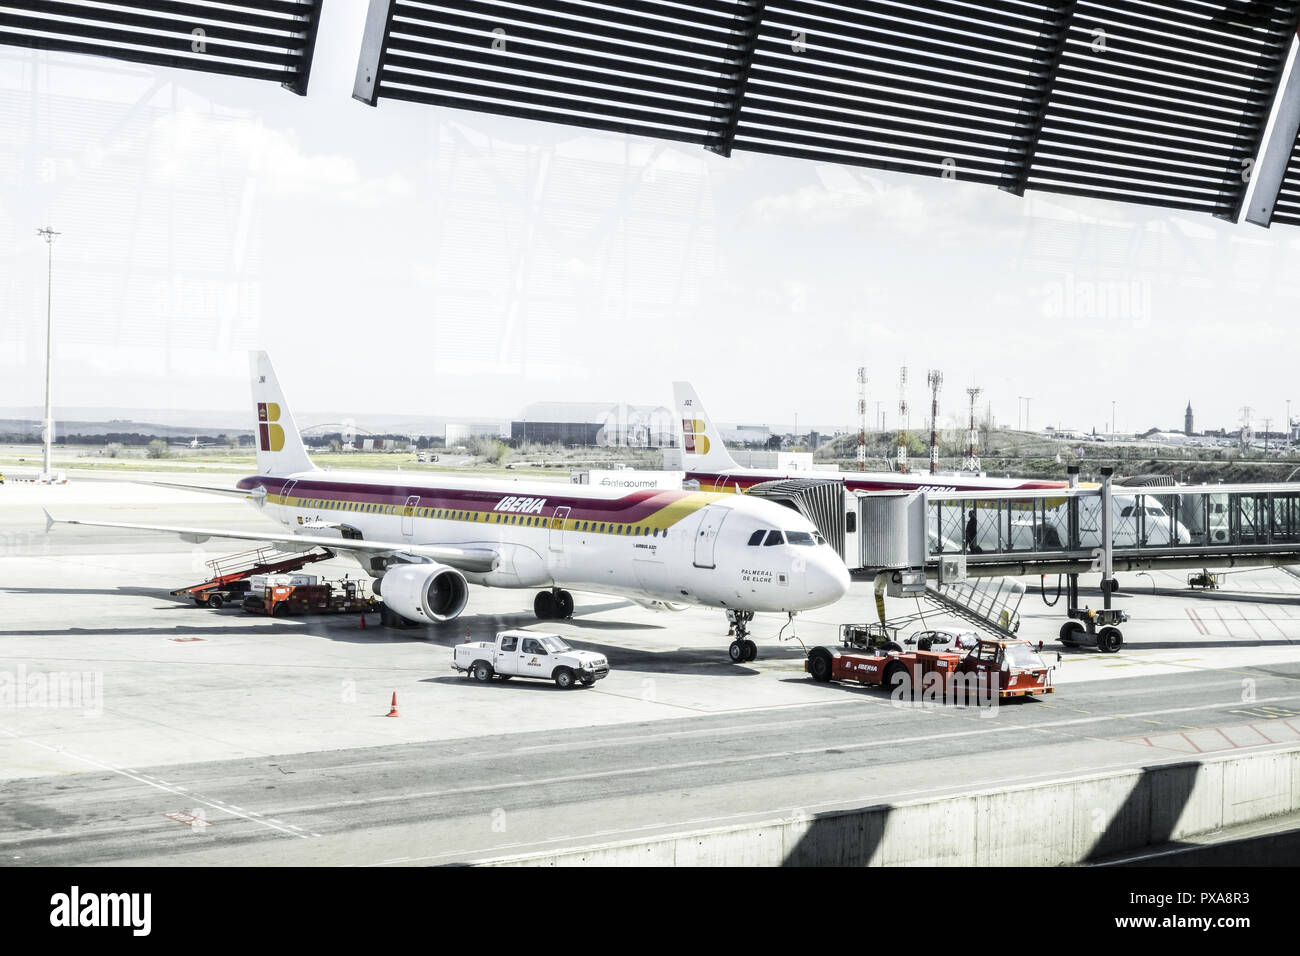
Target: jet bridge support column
x=1086 y=627
x=1107 y=537
x=1072 y=530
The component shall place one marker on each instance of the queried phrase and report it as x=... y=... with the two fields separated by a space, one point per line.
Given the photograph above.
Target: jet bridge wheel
x=1109 y=640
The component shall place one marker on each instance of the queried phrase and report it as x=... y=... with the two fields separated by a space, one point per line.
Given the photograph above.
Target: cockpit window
x=774 y=537
x=801 y=538
x=819 y=538
x=756 y=538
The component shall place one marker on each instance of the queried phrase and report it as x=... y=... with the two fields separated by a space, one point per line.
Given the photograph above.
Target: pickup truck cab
x=529 y=654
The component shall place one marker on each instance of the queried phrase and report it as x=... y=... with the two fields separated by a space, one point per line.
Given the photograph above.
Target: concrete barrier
x=1060 y=822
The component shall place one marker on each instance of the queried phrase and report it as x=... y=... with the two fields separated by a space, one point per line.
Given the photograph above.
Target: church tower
x=1187 y=420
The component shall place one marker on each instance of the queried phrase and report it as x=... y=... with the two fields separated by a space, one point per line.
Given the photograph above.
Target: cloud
x=187 y=144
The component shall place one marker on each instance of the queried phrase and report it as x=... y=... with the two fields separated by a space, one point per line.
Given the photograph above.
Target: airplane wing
x=463 y=559
x=205 y=489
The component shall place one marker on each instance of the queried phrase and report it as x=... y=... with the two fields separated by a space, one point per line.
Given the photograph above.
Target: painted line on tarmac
x=749 y=758
x=148 y=781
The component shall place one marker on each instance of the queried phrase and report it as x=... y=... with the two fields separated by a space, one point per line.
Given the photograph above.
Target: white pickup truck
x=529 y=654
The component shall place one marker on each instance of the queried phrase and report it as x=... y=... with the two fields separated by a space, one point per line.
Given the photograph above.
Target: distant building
x=568 y=423
x=1187 y=420
x=459 y=434
x=748 y=435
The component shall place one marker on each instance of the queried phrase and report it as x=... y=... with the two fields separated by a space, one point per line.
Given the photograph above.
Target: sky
x=407 y=259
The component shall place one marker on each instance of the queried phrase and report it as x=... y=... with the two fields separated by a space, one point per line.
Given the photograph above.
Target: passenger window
x=509 y=643
x=774 y=537
x=756 y=538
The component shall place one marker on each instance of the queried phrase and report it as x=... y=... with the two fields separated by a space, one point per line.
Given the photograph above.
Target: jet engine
x=424 y=592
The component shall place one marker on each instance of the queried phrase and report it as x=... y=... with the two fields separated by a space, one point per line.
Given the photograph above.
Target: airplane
x=710 y=467
x=424 y=539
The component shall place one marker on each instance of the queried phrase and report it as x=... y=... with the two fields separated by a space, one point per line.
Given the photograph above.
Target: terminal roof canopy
x=1160 y=102
x=259 y=39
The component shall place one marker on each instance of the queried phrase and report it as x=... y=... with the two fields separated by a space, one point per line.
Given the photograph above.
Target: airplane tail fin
x=702 y=446
x=279 y=446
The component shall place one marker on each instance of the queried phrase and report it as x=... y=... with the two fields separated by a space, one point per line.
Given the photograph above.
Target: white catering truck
x=529 y=654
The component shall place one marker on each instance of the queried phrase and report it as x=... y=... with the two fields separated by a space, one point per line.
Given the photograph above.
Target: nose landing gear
x=742 y=649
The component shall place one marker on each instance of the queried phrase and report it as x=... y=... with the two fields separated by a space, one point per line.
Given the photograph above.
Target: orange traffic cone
x=392 y=712
x=363 y=620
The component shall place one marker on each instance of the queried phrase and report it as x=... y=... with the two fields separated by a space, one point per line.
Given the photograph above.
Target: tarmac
x=203 y=736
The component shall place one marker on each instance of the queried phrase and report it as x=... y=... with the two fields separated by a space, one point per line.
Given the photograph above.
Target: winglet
x=50 y=520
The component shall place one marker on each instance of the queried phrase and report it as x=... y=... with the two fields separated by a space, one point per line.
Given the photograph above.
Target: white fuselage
x=651 y=546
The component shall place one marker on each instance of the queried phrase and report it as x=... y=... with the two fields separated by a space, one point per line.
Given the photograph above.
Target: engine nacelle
x=424 y=592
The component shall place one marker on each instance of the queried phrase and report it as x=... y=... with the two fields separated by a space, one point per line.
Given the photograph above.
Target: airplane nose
x=828 y=581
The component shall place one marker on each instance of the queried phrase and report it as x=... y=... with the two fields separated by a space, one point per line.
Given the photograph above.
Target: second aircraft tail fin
x=702 y=446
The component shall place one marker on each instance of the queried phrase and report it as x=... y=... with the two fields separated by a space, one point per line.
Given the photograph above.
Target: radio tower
x=972 y=463
x=862 y=418
x=935 y=380
x=902 y=420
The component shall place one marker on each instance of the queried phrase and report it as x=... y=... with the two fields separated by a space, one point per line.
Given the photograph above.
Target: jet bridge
x=952 y=536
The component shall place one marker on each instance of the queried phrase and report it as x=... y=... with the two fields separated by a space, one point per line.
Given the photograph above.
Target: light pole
x=48 y=235
x=1028 y=399
x=1019 y=420
x=1288 y=426
x=1112 y=419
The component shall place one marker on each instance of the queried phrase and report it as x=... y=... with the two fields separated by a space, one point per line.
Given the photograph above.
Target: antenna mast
x=935 y=381
x=902 y=420
x=972 y=463
x=862 y=418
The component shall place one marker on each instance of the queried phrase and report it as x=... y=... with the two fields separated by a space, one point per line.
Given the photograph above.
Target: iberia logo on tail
x=270 y=434
x=694 y=438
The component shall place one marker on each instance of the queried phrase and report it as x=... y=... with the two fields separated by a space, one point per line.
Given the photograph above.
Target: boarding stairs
x=991 y=604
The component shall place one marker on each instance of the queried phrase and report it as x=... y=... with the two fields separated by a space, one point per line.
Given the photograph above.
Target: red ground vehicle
x=1005 y=668
x=325 y=598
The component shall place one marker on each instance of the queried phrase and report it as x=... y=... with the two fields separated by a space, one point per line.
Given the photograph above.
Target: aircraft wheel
x=1070 y=632
x=564 y=604
x=736 y=652
x=544 y=605
x=751 y=650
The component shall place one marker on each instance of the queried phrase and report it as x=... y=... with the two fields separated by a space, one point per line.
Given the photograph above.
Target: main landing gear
x=742 y=649
x=553 y=605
